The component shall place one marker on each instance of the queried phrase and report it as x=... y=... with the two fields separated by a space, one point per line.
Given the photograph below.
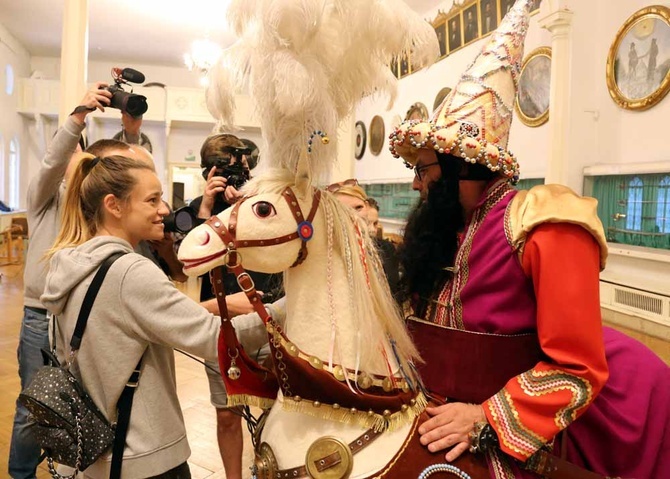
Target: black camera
x=236 y=175
x=181 y=221
x=133 y=104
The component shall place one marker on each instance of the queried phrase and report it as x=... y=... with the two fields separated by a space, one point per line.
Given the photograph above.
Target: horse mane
x=373 y=305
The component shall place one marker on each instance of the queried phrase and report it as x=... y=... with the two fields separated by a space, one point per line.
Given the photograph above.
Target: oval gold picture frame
x=418 y=111
x=376 y=132
x=532 y=99
x=635 y=63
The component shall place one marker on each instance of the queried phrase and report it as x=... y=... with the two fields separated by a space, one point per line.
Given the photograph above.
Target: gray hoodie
x=45 y=195
x=137 y=311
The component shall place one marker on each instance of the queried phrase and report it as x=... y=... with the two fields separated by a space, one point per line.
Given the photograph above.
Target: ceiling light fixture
x=202 y=57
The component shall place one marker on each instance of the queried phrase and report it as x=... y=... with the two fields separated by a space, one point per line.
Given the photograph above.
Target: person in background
x=217 y=153
x=44 y=200
x=351 y=194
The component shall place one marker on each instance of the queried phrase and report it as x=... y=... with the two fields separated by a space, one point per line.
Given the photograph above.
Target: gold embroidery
x=539 y=383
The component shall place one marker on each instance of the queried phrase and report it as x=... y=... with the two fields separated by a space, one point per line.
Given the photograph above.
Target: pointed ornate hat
x=474 y=120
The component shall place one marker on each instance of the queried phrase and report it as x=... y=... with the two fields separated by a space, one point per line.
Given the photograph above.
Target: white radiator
x=635 y=302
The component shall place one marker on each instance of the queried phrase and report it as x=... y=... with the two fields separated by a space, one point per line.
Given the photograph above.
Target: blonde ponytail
x=93 y=179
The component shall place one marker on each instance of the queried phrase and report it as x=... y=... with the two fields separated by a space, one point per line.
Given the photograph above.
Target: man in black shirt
x=217 y=155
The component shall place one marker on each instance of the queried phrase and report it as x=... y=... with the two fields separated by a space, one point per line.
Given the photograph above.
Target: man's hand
x=237 y=304
x=231 y=195
x=165 y=246
x=215 y=186
x=165 y=249
x=96 y=97
x=131 y=125
x=450 y=425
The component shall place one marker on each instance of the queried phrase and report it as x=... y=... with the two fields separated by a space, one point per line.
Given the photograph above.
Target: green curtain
x=618 y=199
x=528 y=183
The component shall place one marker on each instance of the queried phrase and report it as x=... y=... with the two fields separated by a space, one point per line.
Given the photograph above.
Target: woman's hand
x=450 y=426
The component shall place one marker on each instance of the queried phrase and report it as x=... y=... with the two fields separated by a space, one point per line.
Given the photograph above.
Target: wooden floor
x=192 y=386
x=193 y=390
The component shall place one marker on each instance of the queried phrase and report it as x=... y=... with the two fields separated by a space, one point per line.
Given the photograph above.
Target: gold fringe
x=364 y=419
x=249 y=400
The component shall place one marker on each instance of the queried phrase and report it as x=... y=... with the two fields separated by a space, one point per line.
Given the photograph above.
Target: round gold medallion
x=265 y=462
x=329 y=458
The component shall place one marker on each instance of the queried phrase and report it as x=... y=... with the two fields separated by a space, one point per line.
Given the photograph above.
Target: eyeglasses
x=418 y=169
x=337 y=186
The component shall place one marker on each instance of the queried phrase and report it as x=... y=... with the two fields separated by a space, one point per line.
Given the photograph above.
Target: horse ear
x=302 y=175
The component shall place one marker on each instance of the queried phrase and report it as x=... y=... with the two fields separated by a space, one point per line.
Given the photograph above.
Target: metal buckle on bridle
x=244 y=277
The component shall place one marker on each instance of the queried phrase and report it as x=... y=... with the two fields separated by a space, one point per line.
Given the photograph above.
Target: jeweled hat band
x=460 y=139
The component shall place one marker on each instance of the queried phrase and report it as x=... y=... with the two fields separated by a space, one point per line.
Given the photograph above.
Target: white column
x=343 y=168
x=74 y=56
x=559 y=24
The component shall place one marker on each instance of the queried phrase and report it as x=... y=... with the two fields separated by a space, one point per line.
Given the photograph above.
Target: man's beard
x=431 y=238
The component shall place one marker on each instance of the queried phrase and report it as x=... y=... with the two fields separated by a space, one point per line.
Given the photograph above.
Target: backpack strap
x=125 y=403
x=87 y=304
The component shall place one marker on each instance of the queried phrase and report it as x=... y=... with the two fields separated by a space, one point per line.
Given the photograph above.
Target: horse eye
x=263 y=209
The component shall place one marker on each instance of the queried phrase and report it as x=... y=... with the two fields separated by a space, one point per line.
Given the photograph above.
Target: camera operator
x=223 y=158
x=45 y=195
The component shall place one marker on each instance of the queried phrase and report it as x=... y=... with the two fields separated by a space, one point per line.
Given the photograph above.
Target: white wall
x=12 y=125
x=600 y=131
x=612 y=135
x=423 y=86
x=100 y=71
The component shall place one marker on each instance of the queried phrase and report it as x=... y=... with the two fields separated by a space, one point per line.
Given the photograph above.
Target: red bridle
x=304 y=230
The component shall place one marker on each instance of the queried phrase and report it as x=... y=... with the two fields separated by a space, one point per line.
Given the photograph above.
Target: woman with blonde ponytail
x=111 y=204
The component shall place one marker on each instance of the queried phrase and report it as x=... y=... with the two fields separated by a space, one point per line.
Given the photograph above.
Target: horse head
x=268 y=229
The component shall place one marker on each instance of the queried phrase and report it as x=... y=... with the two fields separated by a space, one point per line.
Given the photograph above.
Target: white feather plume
x=307 y=64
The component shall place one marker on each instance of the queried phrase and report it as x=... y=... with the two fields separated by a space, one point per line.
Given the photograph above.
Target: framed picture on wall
x=361 y=140
x=377 y=135
x=394 y=67
x=404 y=66
x=489 y=16
x=454 y=30
x=505 y=7
x=441 y=32
x=418 y=111
x=638 y=64
x=439 y=98
x=470 y=24
x=532 y=100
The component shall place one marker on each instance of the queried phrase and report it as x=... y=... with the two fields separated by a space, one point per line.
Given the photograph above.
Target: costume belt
x=471 y=367
x=327 y=458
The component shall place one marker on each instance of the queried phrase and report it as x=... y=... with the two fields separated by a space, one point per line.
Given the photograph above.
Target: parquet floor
x=205 y=461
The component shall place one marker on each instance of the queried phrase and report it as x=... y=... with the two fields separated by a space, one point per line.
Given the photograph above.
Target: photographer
x=44 y=198
x=225 y=166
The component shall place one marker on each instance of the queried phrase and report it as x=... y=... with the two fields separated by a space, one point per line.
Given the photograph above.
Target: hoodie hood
x=70 y=266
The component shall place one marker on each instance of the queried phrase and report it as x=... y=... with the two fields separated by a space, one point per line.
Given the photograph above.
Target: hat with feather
x=474 y=120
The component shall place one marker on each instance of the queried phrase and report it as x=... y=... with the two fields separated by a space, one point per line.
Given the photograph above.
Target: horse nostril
x=205 y=238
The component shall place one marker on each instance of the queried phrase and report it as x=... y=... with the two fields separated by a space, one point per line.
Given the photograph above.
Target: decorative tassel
x=248 y=400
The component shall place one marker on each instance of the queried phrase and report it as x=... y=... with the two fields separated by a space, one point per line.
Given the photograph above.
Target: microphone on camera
x=132 y=76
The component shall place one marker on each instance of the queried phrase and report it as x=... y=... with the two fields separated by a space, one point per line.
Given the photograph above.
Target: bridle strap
x=227 y=235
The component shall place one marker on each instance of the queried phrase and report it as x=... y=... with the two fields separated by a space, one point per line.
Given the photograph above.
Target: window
x=663 y=206
x=9 y=79
x=14 y=173
x=528 y=183
x=635 y=209
x=634 y=205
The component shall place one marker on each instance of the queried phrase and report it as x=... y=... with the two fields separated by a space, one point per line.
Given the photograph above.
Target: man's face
x=428 y=169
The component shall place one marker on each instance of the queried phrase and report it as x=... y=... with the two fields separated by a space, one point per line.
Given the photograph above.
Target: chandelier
x=202 y=57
